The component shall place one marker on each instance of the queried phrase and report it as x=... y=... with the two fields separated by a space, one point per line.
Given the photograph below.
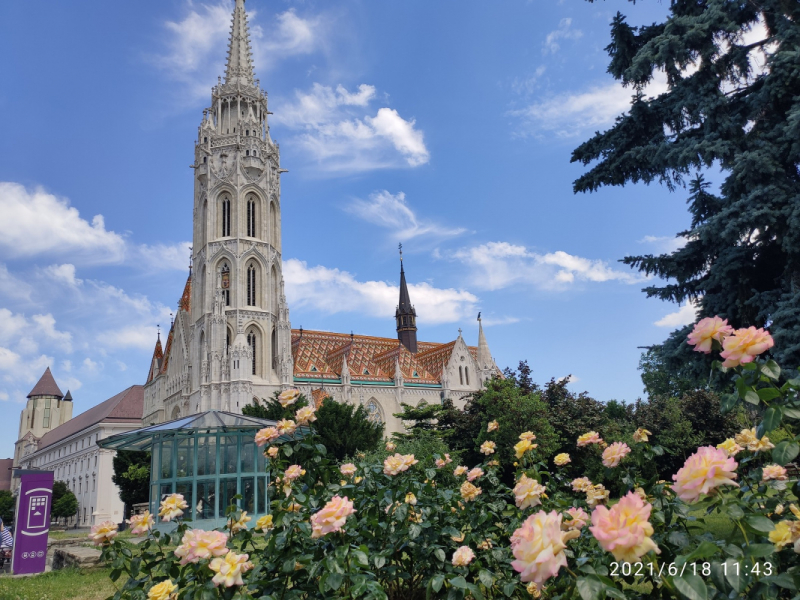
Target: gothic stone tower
x=240 y=338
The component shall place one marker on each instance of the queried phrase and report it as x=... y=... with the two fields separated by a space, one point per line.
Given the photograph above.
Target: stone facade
x=231 y=339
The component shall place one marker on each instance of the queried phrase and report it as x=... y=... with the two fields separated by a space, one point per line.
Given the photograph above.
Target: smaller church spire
x=484 y=356
x=240 y=57
x=405 y=315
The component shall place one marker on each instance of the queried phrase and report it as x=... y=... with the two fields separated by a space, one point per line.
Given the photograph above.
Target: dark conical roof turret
x=68 y=397
x=405 y=315
x=46 y=386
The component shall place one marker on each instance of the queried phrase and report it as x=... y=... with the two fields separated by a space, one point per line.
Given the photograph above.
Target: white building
x=231 y=339
x=71 y=452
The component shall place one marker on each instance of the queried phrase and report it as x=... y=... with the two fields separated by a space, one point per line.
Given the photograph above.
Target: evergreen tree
x=733 y=103
x=344 y=429
x=132 y=477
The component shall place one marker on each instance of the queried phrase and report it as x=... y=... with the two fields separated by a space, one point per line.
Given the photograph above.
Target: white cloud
x=685 y=315
x=392 y=212
x=664 y=243
x=90 y=365
x=36 y=222
x=166 y=256
x=13 y=287
x=64 y=274
x=26 y=334
x=572 y=114
x=564 y=32
x=335 y=127
x=45 y=325
x=197 y=44
x=497 y=265
x=494 y=321
x=332 y=291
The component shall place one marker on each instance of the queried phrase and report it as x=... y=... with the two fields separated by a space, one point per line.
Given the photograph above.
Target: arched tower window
x=461 y=375
x=274 y=284
x=251 y=216
x=225 y=282
x=227 y=339
x=204 y=222
x=252 y=342
x=251 y=285
x=226 y=216
x=273 y=221
x=466 y=374
x=274 y=348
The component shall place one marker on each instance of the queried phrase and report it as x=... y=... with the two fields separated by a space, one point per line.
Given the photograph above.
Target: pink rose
x=615 y=453
x=706 y=469
x=474 y=474
x=463 y=556
x=538 y=547
x=624 y=529
x=706 y=331
x=743 y=345
x=197 y=545
x=331 y=517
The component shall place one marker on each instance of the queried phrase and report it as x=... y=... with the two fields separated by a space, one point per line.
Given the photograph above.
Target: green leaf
x=691 y=587
x=759 y=523
x=732 y=570
x=783 y=580
x=785 y=452
x=759 y=550
x=509 y=588
x=772 y=418
x=486 y=578
x=771 y=369
x=767 y=394
x=437 y=582
x=590 y=588
x=379 y=561
x=718 y=577
x=751 y=397
x=361 y=558
x=439 y=553
x=729 y=402
x=459 y=582
x=735 y=511
x=334 y=581
x=704 y=550
x=792 y=413
x=287 y=450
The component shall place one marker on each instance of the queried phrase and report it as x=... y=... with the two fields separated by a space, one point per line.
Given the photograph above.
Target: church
x=231 y=340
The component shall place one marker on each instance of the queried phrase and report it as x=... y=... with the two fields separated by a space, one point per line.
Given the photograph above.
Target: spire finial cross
x=459 y=332
x=400 y=247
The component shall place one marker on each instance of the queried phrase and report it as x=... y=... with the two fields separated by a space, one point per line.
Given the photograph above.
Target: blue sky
x=447 y=126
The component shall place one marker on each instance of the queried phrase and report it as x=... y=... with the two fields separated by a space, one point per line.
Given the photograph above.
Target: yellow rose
x=162 y=591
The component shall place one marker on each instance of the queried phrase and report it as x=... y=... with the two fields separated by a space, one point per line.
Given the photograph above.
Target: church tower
x=405 y=315
x=240 y=332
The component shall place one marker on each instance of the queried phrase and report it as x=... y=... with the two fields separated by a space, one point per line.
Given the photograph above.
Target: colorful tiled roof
x=46 y=386
x=185 y=302
x=320 y=356
x=162 y=358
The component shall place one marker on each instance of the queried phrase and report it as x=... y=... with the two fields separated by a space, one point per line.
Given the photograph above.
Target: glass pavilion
x=209 y=457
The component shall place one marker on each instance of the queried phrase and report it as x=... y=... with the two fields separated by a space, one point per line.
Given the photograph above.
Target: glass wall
x=209 y=469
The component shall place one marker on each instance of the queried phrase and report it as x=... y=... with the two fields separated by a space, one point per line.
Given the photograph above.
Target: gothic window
x=274 y=284
x=251 y=216
x=255 y=152
x=466 y=374
x=205 y=159
x=461 y=375
x=228 y=339
x=274 y=349
x=225 y=282
x=247 y=152
x=251 y=285
x=273 y=219
x=226 y=216
x=205 y=139
x=251 y=341
x=374 y=411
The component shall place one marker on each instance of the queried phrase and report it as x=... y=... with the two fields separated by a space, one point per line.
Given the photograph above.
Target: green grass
x=67 y=584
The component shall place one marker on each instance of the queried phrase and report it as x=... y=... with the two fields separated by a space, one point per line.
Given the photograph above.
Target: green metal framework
x=209 y=457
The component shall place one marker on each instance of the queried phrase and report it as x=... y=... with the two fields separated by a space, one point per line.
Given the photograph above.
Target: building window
x=46 y=419
x=251 y=341
x=226 y=216
x=225 y=282
x=251 y=285
x=251 y=217
x=461 y=375
x=374 y=411
x=466 y=374
x=94 y=484
x=247 y=153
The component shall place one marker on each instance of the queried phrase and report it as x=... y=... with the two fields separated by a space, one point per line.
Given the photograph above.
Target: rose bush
x=406 y=527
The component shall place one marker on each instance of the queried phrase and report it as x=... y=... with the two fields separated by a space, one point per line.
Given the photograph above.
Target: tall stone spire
x=240 y=57
x=486 y=364
x=405 y=315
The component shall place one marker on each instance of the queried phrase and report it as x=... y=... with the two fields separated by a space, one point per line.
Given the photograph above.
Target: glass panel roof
x=210 y=421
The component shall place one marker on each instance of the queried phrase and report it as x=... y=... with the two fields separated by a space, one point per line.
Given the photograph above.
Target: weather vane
x=400 y=247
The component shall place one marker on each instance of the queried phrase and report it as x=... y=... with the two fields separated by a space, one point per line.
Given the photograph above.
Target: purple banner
x=32 y=521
